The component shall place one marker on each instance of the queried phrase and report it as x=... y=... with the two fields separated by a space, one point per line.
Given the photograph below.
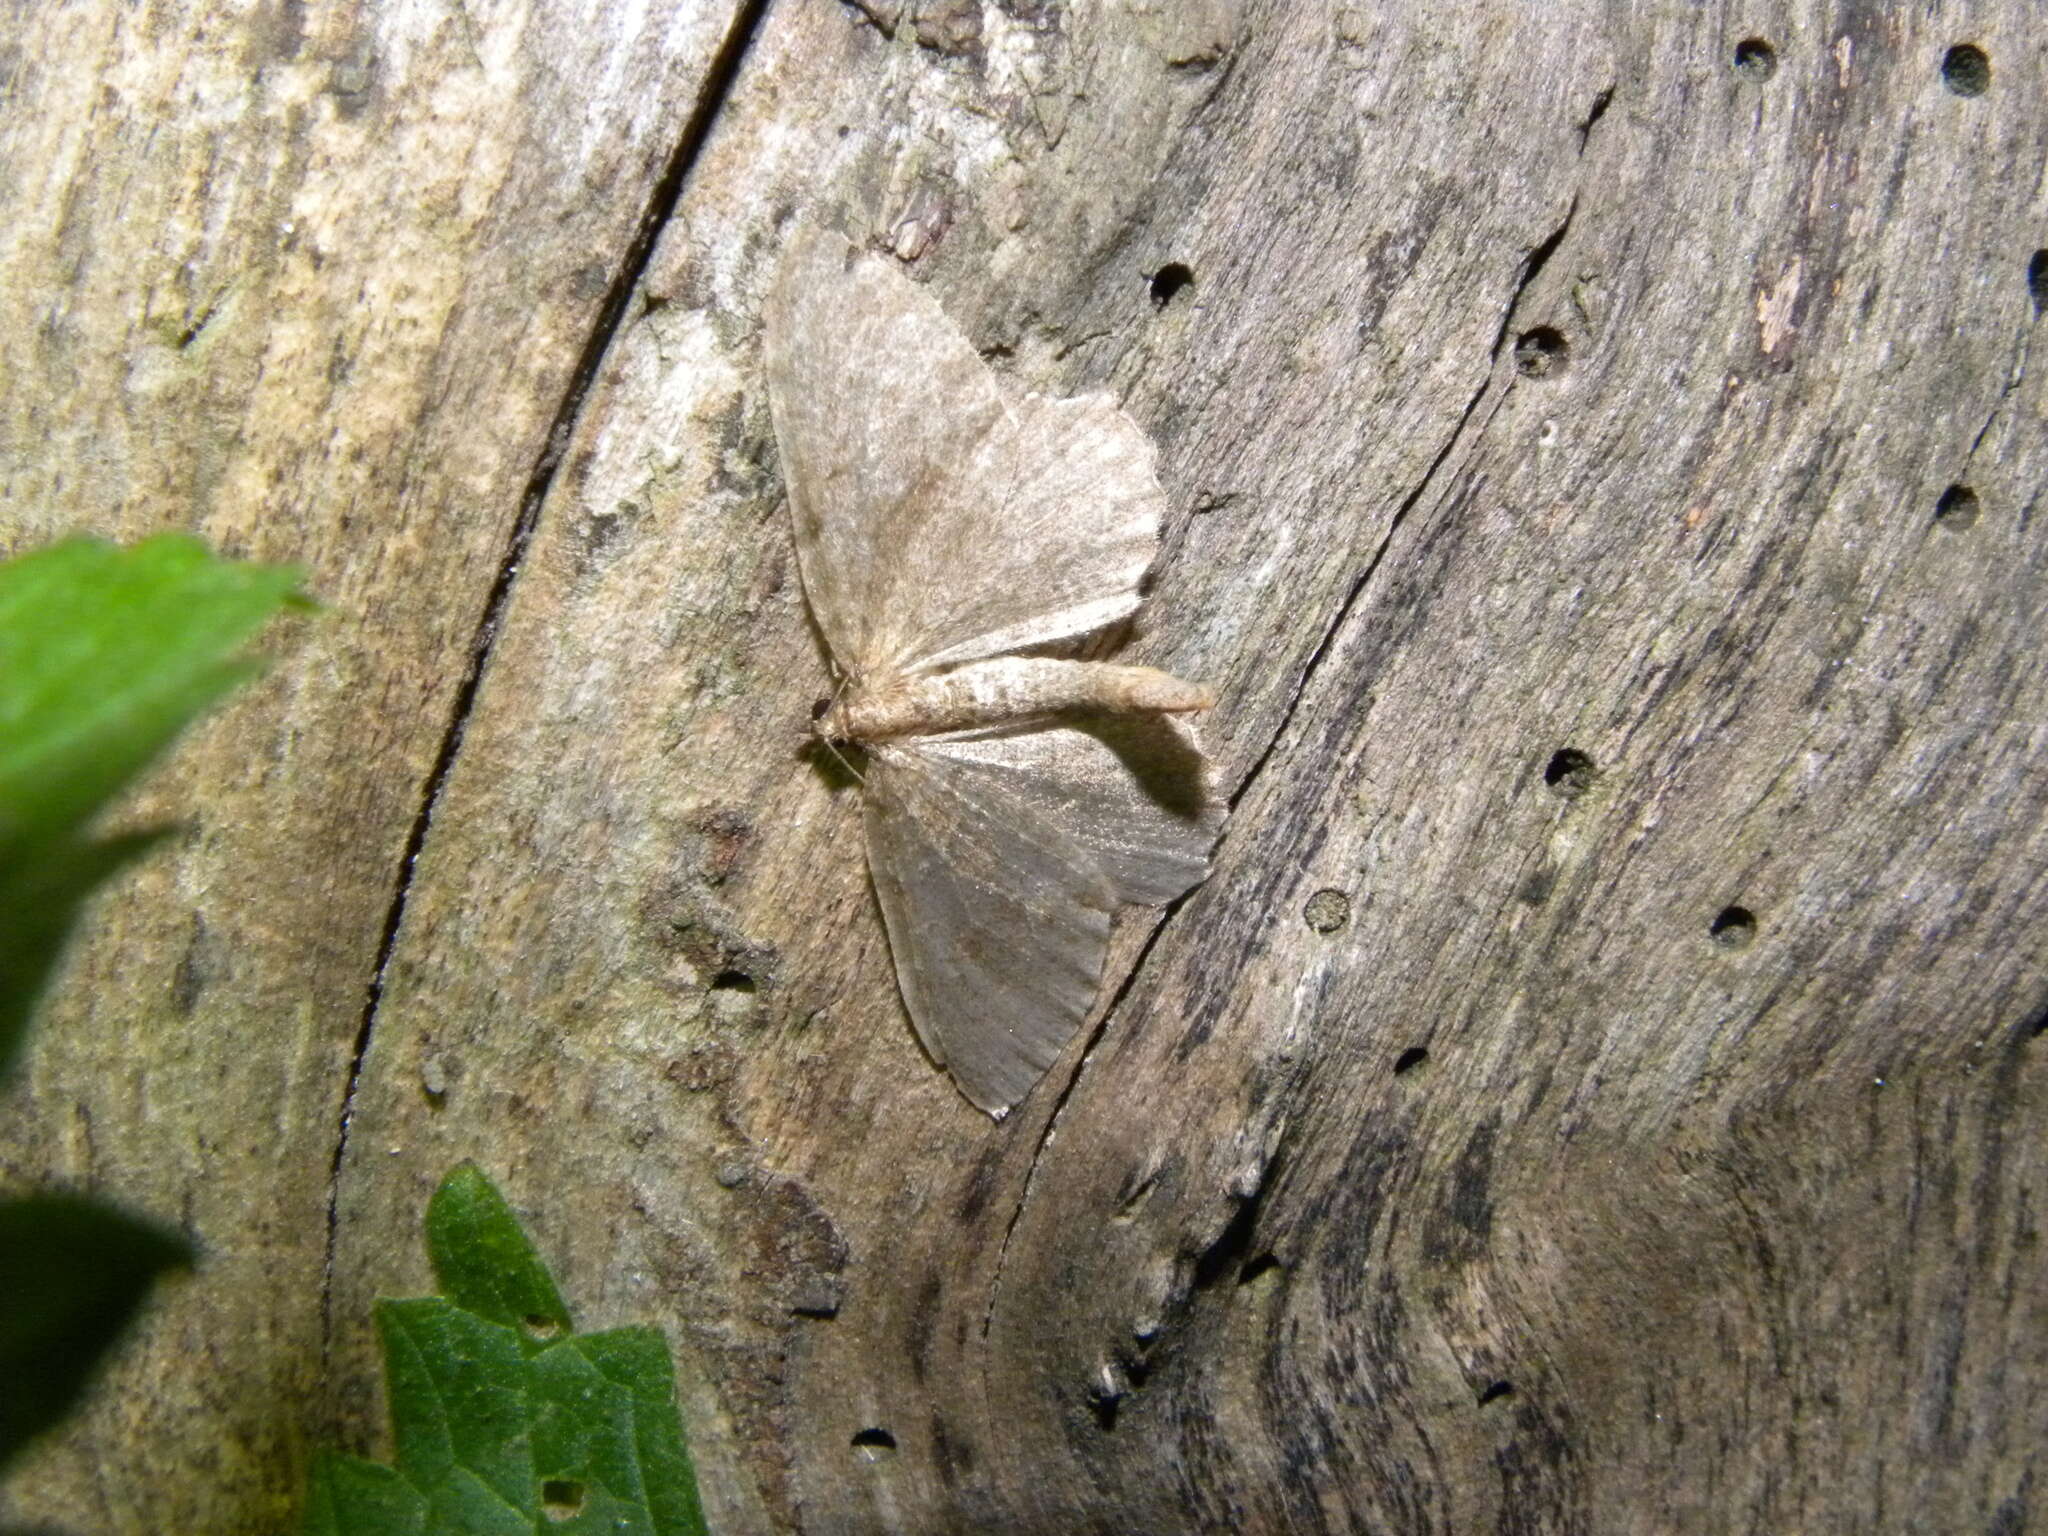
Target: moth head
x=828 y=721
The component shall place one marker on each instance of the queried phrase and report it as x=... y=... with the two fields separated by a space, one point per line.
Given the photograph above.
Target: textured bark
x=1598 y=1089
x=315 y=282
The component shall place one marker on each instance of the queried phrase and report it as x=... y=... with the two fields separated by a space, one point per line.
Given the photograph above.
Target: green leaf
x=498 y=1433
x=483 y=1261
x=346 y=1493
x=105 y=654
x=72 y=1273
x=606 y=1419
x=458 y=1403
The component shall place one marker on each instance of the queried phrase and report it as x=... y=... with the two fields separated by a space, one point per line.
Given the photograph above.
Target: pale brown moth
x=950 y=534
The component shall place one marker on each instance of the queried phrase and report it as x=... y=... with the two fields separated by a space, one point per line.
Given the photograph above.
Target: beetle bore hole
x=1755 y=60
x=1410 y=1059
x=1966 y=70
x=1263 y=1264
x=874 y=1444
x=2037 y=283
x=1169 y=281
x=1495 y=1391
x=1541 y=353
x=1569 y=773
x=1733 y=927
x=539 y=1327
x=1327 y=911
x=1105 y=1406
x=730 y=980
x=1957 y=507
x=561 y=1498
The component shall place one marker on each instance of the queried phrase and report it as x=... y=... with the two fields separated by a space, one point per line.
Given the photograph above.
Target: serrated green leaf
x=483 y=1261
x=105 y=654
x=583 y=1445
x=500 y=1434
x=72 y=1273
x=347 y=1496
x=465 y=1505
x=457 y=1384
x=605 y=1421
x=637 y=1360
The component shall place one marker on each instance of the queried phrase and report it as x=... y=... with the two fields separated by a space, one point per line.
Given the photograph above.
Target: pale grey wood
x=312 y=281
x=1555 y=417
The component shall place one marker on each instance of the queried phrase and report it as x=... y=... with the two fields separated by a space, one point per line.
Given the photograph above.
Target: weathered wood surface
x=315 y=282
x=1557 y=421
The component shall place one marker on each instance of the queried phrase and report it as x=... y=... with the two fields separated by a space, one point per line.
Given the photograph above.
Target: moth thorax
x=830 y=722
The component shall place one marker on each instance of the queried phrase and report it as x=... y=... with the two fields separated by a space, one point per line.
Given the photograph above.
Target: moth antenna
x=824 y=707
x=840 y=757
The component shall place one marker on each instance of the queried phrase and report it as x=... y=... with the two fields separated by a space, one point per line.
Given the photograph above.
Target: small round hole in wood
x=1755 y=60
x=1733 y=927
x=1569 y=773
x=1541 y=353
x=2037 y=283
x=1410 y=1059
x=873 y=1444
x=1327 y=911
x=1169 y=282
x=1966 y=70
x=1957 y=508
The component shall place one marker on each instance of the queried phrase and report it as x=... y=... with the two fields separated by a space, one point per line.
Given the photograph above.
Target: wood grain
x=314 y=282
x=1599 y=1088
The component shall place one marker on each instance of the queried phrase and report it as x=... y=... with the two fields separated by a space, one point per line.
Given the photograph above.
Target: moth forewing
x=881 y=407
x=1052 y=546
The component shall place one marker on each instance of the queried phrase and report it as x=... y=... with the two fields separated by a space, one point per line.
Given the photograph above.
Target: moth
x=957 y=542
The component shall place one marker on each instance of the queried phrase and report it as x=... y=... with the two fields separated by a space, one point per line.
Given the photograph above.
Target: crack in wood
x=1066 y=1092
x=720 y=78
x=1358 y=586
x=1532 y=265
x=2005 y=393
x=1594 y=113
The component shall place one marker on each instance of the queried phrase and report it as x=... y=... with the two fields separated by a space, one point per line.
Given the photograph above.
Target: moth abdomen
x=997 y=692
